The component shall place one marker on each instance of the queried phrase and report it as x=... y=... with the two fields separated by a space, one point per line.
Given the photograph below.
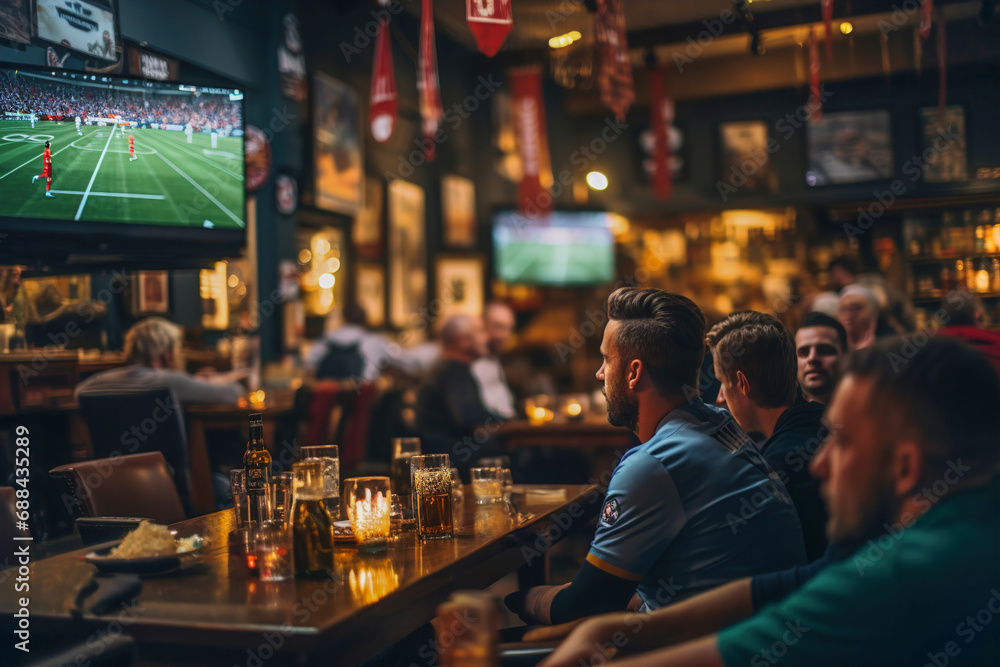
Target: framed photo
x=88 y=27
x=407 y=254
x=370 y=295
x=152 y=295
x=337 y=147
x=458 y=210
x=944 y=138
x=459 y=283
x=367 y=232
x=850 y=147
x=746 y=162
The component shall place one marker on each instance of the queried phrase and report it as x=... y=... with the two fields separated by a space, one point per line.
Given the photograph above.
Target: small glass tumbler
x=403 y=449
x=241 y=502
x=368 y=508
x=487 y=485
x=273 y=545
x=431 y=480
x=330 y=456
x=279 y=497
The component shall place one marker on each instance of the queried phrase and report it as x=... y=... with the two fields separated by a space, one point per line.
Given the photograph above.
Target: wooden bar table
x=214 y=613
x=603 y=443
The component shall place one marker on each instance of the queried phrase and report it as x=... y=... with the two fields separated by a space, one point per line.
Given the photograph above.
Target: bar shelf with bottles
x=956 y=249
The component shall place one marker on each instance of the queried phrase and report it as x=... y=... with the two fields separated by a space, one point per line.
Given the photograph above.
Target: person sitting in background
x=153 y=350
x=351 y=351
x=754 y=358
x=910 y=473
x=964 y=313
x=858 y=313
x=451 y=416
x=675 y=520
x=820 y=343
x=498 y=320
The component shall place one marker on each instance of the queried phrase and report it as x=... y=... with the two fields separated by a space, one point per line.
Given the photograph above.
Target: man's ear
x=742 y=383
x=635 y=374
x=907 y=467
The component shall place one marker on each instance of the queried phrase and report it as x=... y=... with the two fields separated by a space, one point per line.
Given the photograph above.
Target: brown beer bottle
x=257 y=463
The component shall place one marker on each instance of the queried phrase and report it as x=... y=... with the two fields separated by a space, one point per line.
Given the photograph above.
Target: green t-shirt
x=927 y=595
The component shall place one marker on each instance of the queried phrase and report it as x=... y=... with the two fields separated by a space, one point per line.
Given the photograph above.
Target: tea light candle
x=368 y=509
x=537 y=416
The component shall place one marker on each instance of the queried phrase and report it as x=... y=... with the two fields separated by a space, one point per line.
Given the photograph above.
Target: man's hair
x=846 y=262
x=150 y=339
x=46 y=144
x=942 y=393
x=824 y=320
x=665 y=331
x=962 y=309
x=762 y=348
x=454 y=331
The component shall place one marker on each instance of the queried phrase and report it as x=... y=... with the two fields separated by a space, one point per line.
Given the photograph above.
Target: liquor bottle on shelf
x=970 y=275
x=959 y=281
x=257 y=463
x=995 y=277
x=982 y=278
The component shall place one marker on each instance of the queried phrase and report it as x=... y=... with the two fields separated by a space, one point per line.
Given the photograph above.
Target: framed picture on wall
x=337 y=147
x=458 y=211
x=746 y=162
x=152 y=295
x=407 y=254
x=459 y=281
x=945 y=144
x=370 y=292
x=850 y=147
x=367 y=233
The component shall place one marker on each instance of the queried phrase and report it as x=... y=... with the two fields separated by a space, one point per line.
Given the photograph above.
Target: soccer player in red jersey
x=46 y=170
x=131 y=147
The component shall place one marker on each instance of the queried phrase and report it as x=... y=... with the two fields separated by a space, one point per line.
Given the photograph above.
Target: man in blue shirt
x=692 y=507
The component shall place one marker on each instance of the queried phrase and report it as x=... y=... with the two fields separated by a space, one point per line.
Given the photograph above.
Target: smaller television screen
x=850 y=147
x=572 y=248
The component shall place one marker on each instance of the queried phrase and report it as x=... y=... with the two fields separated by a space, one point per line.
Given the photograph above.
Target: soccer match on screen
x=92 y=148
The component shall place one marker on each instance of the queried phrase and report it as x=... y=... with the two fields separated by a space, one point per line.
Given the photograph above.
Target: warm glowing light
x=327 y=280
x=305 y=256
x=562 y=41
x=373 y=580
x=333 y=265
x=322 y=246
x=257 y=399
x=574 y=409
x=846 y=27
x=233 y=281
x=574 y=35
x=597 y=181
x=369 y=512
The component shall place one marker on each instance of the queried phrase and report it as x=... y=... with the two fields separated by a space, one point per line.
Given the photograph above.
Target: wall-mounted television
x=130 y=158
x=563 y=248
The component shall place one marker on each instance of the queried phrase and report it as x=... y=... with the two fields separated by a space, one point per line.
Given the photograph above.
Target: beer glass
x=312 y=528
x=330 y=456
x=402 y=450
x=431 y=480
x=487 y=485
x=241 y=503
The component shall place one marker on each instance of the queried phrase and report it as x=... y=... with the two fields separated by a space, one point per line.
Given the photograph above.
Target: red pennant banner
x=942 y=57
x=660 y=118
x=428 y=89
x=532 y=142
x=815 y=101
x=926 y=18
x=383 y=101
x=490 y=21
x=614 y=68
x=827 y=7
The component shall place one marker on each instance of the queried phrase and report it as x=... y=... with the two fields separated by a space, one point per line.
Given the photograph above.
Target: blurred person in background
x=858 y=313
x=671 y=524
x=820 y=343
x=910 y=474
x=451 y=416
x=498 y=320
x=964 y=313
x=755 y=360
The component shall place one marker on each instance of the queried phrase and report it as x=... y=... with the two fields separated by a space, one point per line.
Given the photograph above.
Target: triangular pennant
x=827 y=7
x=383 y=101
x=660 y=117
x=428 y=88
x=490 y=22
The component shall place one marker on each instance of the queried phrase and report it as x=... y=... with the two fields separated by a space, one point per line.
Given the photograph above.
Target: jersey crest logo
x=610 y=513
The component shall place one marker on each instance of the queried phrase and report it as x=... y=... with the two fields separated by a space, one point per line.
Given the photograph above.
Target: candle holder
x=368 y=505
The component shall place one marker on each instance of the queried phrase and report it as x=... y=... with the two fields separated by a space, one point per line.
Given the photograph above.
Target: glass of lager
x=431 y=480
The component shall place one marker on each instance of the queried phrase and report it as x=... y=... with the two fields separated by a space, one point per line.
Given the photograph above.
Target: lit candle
x=538 y=415
x=369 y=512
x=574 y=409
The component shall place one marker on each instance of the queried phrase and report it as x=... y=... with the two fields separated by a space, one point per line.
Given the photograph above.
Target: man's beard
x=623 y=409
x=883 y=511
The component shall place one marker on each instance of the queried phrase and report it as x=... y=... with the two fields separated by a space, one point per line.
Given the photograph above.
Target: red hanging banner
x=827 y=7
x=926 y=18
x=428 y=89
x=661 y=116
x=815 y=101
x=942 y=57
x=490 y=21
x=383 y=101
x=532 y=143
x=614 y=76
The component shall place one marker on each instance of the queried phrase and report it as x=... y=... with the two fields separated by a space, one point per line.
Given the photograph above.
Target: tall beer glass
x=431 y=479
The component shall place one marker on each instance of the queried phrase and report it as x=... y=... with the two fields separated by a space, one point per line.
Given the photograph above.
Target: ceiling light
x=561 y=41
x=574 y=35
x=597 y=181
x=327 y=280
x=846 y=27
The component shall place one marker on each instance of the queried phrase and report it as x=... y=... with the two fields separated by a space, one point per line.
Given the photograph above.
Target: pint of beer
x=432 y=495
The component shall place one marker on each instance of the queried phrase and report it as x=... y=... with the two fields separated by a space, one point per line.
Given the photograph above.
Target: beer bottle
x=257 y=462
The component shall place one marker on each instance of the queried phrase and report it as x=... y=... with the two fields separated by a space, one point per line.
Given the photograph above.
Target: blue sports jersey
x=694 y=507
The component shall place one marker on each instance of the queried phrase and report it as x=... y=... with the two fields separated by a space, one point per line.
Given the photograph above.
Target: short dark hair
x=940 y=391
x=962 y=309
x=46 y=144
x=762 y=348
x=846 y=262
x=817 y=319
x=663 y=330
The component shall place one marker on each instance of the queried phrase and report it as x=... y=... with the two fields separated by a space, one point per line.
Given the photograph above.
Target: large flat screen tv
x=126 y=155
x=564 y=248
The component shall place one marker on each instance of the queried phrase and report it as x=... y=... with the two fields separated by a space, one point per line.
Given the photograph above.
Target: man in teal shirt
x=910 y=478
